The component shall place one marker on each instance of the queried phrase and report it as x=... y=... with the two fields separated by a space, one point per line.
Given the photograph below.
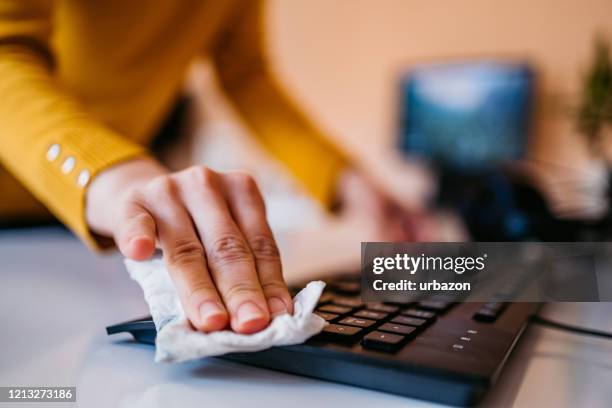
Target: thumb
x=135 y=234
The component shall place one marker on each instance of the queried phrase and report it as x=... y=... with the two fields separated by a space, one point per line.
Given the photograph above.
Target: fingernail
x=248 y=312
x=210 y=309
x=276 y=306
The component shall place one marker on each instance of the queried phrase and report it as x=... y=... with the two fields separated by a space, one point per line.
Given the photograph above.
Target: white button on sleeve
x=53 y=152
x=83 y=178
x=68 y=165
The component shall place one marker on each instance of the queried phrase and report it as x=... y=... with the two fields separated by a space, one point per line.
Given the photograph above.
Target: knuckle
x=141 y=219
x=162 y=186
x=201 y=291
x=242 y=289
x=201 y=176
x=131 y=203
x=274 y=286
x=185 y=252
x=264 y=248
x=228 y=249
x=244 y=181
x=133 y=197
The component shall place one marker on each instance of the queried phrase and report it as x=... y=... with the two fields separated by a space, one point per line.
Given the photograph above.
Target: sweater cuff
x=70 y=164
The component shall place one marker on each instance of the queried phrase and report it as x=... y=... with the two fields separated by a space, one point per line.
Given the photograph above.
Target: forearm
x=247 y=78
x=288 y=134
x=48 y=141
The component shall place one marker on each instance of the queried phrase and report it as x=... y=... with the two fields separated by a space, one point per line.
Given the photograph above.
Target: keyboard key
x=489 y=312
x=421 y=314
x=340 y=333
x=352 y=276
x=356 y=321
x=486 y=315
x=439 y=306
x=496 y=307
x=410 y=321
x=327 y=316
x=399 y=305
x=346 y=301
x=336 y=309
x=381 y=307
x=348 y=288
x=326 y=297
x=370 y=314
x=382 y=341
x=398 y=329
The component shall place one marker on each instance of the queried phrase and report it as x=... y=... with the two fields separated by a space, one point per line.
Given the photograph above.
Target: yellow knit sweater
x=85 y=84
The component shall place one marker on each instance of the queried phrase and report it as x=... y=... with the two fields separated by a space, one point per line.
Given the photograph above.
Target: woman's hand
x=212 y=230
x=388 y=220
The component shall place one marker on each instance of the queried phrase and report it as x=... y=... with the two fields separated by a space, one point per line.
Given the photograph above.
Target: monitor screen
x=466 y=115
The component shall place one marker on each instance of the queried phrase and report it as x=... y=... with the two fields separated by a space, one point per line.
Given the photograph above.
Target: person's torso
x=125 y=60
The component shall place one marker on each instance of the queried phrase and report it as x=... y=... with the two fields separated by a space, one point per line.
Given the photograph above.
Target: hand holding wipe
x=178 y=341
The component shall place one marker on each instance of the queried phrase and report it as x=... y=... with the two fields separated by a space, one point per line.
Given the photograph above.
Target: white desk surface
x=56 y=298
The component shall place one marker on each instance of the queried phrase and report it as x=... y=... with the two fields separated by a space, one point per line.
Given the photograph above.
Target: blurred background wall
x=341 y=58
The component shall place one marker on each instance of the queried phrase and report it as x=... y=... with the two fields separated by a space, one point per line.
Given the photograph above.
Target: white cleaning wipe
x=177 y=340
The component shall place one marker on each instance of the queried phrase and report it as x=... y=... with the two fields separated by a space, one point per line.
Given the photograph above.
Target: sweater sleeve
x=246 y=77
x=47 y=140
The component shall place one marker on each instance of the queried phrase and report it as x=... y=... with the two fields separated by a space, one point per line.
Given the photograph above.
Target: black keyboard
x=434 y=349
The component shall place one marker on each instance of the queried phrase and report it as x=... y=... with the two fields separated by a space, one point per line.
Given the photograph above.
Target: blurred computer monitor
x=468 y=119
x=466 y=115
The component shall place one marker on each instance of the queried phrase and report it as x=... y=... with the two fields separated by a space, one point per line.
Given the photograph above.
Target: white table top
x=56 y=298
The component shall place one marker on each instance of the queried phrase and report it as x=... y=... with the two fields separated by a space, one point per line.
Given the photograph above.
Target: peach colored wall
x=340 y=57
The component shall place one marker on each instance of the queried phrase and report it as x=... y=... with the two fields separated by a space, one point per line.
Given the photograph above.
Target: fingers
x=135 y=235
x=229 y=257
x=217 y=245
x=248 y=208
x=185 y=258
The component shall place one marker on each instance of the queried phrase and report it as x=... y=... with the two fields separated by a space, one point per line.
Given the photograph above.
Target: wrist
x=109 y=189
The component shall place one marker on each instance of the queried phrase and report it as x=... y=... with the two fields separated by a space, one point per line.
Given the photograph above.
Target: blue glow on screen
x=466 y=115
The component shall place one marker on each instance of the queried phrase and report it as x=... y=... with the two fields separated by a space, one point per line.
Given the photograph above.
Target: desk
x=56 y=298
